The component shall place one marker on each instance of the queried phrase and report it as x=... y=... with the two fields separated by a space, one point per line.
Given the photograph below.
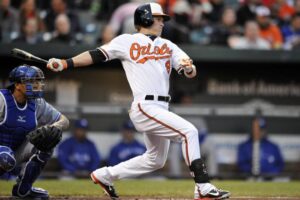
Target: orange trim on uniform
x=143 y=60
x=96 y=181
x=169 y=127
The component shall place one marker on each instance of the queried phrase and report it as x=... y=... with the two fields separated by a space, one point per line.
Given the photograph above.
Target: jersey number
x=168 y=66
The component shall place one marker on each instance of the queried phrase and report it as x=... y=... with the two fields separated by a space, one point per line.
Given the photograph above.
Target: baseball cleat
x=215 y=194
x=108 y=189
x=210 y=192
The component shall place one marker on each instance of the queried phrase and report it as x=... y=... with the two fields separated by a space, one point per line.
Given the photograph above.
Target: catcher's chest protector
x=17 y=123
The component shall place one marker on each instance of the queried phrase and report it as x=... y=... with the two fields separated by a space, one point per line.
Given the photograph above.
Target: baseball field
x=161 y=189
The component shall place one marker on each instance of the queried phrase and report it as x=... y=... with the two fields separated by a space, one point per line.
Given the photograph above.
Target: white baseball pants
x=159 y=126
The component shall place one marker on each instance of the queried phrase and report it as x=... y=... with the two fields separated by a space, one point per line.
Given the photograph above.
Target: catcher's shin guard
x=199 y=171
x=2 y=172
x=32 y=170
x=7 y=160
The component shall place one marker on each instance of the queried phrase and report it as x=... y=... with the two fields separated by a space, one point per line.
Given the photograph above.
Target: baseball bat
x=24 y=55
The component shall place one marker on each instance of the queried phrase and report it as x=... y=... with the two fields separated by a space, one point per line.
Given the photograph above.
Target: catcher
x=30 y=128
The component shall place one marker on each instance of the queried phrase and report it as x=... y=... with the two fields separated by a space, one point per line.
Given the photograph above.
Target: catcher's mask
x=32 y=77
x=143 y=15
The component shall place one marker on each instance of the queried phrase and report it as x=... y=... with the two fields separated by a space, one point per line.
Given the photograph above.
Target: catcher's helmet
x=143 y=15
x=31 y=76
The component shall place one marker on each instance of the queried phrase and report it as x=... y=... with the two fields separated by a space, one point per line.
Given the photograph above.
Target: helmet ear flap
x=143 y=16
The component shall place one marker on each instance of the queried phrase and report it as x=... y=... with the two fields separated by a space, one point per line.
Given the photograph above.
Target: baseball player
x=147 y=60
x=22 y=111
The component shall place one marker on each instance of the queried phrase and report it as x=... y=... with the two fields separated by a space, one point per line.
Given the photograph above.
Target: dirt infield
x=158 y=198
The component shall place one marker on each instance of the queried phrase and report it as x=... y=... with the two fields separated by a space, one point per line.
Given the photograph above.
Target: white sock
x=205 y=187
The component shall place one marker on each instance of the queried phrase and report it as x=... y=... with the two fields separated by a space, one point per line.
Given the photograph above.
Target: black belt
x=159 y=98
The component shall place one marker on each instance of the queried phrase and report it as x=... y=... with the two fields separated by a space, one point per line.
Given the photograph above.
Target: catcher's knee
x=41 y=157
x=7 y=159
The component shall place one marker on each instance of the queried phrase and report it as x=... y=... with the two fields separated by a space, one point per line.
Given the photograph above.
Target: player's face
x=38 y=85
x=157 y=26
x=20 y=92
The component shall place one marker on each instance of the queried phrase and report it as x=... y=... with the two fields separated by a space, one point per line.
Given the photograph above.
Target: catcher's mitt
x=45 y=138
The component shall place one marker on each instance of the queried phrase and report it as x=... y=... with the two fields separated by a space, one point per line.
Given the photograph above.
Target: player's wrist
x=68 y=63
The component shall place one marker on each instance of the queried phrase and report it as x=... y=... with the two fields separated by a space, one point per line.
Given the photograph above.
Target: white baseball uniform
x=148 y=65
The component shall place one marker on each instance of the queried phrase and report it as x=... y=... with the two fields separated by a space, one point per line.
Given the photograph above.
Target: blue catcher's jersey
x=17 y=122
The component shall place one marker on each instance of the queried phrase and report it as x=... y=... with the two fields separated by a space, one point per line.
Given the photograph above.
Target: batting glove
x=186 y=64
x=57 y=65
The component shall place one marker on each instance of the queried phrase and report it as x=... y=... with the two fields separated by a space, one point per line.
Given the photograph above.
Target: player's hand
x=186 y=64
x=57 y=65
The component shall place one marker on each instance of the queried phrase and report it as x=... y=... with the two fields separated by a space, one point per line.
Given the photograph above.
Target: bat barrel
x=24 y=55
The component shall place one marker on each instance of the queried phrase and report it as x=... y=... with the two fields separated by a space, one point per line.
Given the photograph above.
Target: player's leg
x=35 y=162
x=158 y=121
x=7 y=160
x=174 y=127
x=154 y=158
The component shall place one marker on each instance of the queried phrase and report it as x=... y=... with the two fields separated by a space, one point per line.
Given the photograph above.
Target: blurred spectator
x=258 y=155
x=108 y=7
x=127 y=148
x=167 y=5
x=28 y=11
x=247 y=11
x=29 y=32
x=226 y=28
x=297 y=6
x=60 y=7
x=9 y=23
x=268 y=3
x=214 y=14
x=62 y=33
x=178 y=29
x=80 y=4
x=284 y=11
x=78 y=155
x=121 y=21
x=268 y=30
x=291 y=33
x=251 y=38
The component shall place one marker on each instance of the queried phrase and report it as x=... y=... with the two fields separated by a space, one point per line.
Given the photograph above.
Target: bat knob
x=55 y=65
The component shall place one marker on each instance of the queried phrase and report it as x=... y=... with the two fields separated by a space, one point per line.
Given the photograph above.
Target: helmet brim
x=166 y=17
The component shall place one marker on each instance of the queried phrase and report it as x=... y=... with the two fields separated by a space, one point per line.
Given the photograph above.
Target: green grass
x=165 y=188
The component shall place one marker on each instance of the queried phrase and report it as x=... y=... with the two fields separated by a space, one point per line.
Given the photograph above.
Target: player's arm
x=62 y=123
x=84 y=59
x=48 y=115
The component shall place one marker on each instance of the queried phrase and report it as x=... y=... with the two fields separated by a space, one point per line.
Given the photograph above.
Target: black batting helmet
x=143 y=15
